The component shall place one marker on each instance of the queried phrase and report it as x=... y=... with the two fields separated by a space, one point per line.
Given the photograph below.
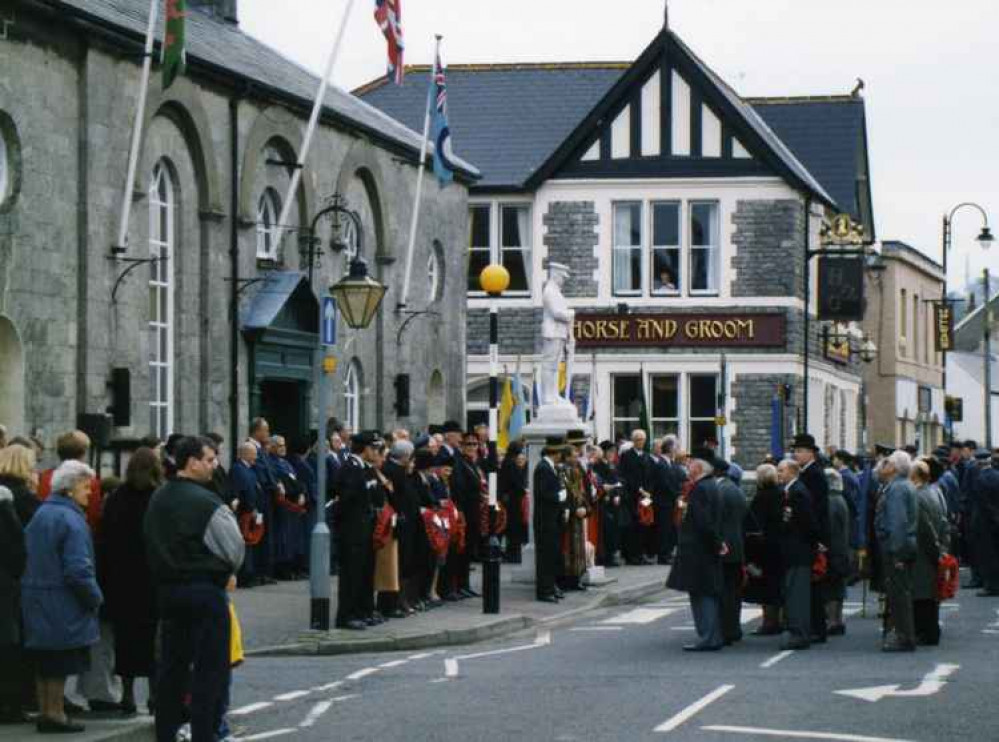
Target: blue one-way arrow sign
x=328 y=329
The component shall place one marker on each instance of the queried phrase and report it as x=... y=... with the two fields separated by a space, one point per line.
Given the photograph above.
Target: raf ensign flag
x=174 y=54
x=443 y=168
x=388 y=14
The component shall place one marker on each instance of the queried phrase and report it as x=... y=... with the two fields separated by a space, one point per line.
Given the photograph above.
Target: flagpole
x=415 y=218
x=133 y=156
x=317 y=107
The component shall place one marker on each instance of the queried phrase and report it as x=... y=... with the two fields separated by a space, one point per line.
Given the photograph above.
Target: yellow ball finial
x=494 y=279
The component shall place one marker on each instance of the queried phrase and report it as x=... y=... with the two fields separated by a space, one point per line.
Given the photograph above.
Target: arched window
x=435 y=272
x=162 y=202
x=352 y=396
x=4 y=177
x=268 y=213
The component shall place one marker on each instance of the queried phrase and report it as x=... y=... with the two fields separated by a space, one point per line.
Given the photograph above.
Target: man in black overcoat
x=668 y=477
x=798 y=543
x=733 y=515
x=467 y=482
x=550 y=503
x=355 y=524
x=813 y=477
x=697 y=569
x=635 y=471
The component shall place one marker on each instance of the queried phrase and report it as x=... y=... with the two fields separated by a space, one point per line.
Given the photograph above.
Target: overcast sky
x=930 y=70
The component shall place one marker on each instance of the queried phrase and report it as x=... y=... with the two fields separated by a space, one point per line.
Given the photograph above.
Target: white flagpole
x=133 y=155
x=414 y=220
x=317 y=107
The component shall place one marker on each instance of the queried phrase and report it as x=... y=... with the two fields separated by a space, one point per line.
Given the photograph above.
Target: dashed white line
x=243 y=711
x=785 y=734
x=292 y=695
x=362 y=673
x=777 y=658
x=393 y=663
x=674 y=721
x=328 y=686
x=641 y=616
x=267 y=735
x=597 y=628
x=315 y=713
x=421 y=655
x=440 y=680
x=347 y=697
x=451 y=668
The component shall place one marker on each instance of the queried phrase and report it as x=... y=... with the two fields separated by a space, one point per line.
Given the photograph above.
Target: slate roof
x=827 y=134
x=968 y=333
x=509 y=118
x=225 y=47
x=533 y=108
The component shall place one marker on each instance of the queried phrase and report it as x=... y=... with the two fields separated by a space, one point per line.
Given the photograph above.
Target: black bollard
x=491 y=569
x=319 y=579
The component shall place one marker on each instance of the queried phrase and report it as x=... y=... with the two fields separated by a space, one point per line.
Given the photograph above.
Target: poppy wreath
x=458 y=525
x=820 y=567
x=525 y=510
x=437 y=534
x=646 y=515
x=252 y=531
x=484 y=519
x=291 y=506
x=948 y=577
x=383 y=527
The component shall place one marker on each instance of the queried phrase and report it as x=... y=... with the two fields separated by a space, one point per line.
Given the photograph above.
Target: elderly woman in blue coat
x=59 y=592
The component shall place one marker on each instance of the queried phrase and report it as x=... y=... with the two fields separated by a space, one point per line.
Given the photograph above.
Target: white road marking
x=315 y=713
x=393 y=663
x=451 y=668
x=421 y=655
x=990 y=631
x=292 y=696
x=641 y=616
x=362 y=673
x=267 y=735
x=674 y=721
x=329 y=686
x=440 y=680
x=683 y=628
x=597 y=628
x=932 y=683
x=750 y=614
x=243 y=711
x=799 y=735
x=543 y=639
x=347 y=697
x=777 y=658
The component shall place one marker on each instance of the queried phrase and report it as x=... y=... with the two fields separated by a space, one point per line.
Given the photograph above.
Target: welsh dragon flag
x=174 y=58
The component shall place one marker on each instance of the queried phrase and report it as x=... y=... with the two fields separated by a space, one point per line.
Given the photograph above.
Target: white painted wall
x=651 y=117
x=621 y=135
x=965 y=372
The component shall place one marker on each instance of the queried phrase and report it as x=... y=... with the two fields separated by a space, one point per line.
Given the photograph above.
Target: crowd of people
x=146 y=564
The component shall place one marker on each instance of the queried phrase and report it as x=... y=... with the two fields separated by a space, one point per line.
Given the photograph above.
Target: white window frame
x=678 y=248
x=162 y=209
x=614 y=420
x=352 y=396
x=639 y=248
x=688 y=410
x=495 y=246
x=716 y=229
x=268 y=232
x=653 y=418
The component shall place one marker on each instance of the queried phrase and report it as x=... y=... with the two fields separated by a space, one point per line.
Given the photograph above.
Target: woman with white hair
x=59 y=592
x=895 y=525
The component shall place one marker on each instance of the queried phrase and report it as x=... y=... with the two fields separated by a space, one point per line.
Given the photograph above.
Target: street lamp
x=494 y=280
x=358 y=295
x=985 y=240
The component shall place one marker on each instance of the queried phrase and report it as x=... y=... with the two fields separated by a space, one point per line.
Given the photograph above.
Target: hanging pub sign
x=681 y=330
x=841 y=288
x=944 y=322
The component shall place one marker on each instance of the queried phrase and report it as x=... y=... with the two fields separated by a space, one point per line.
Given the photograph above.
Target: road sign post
x=319 y=561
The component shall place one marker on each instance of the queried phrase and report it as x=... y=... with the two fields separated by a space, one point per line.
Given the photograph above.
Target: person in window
x=665 y=281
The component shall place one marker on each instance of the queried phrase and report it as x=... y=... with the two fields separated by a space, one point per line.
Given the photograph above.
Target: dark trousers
x=797 y=603
x=665 y=531
x=610 y=533
x=926 y=614
x=819 y=599
x=355 y=591
x=547 y=562
x=898 y=600
x=194 y=621
x=707 y=620
x=731 y=602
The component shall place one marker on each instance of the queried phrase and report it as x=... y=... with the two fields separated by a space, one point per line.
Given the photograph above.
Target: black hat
x=973 y=445
x=450 y=426
x=883 y=450
x=804 y=440
x=434 y=430
x=845 y=456
x=576 y=437
x=941 y=452
x=514 y=449
x=721 y=466
x=606 y=446
x=955 y=444
x=554 y=443
x=424 y=459
x=443 y=458
x=367 y=438
x=704 y=454
x=911 y=450
x=983 y=454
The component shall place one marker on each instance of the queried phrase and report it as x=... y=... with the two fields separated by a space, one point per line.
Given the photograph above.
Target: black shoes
x=44 y=725
x=354 y=626
x=839 y=630
x=547 y=599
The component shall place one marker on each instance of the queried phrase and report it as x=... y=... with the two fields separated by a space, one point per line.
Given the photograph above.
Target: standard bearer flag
x=174 y=51
x=518 y=416
x=443 y=156
x=388 y=15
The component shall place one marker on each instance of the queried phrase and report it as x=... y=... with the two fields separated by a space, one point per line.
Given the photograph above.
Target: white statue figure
x=557 y=336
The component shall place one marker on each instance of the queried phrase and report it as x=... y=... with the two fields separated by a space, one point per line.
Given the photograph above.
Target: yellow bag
x=235 y=638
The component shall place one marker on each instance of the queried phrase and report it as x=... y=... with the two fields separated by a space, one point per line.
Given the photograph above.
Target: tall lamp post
x=494 y=280
x=987 y=351
x=985 y=239
x=358 y=297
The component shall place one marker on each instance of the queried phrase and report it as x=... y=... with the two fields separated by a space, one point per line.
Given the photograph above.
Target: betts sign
x=681 y=330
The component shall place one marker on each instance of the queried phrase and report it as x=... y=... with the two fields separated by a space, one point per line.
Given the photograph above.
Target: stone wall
x=752 y=398
x=769 y=248
x=571 y=238
x=519 y=331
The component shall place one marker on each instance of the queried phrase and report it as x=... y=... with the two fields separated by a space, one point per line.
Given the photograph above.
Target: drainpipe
x=234 y=283
x=803 y=423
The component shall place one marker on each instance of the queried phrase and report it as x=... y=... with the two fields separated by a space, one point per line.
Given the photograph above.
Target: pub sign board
x=680 y=330
x=841 y=288
x=944 y=321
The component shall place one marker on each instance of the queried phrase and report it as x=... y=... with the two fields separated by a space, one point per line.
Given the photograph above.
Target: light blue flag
x=518 y=417
x=443 y=166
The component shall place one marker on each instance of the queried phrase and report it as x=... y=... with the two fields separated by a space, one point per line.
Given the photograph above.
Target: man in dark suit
x=467 y=482
x=636 y=473
x=355 y=523
x=550 y=502
x=698 y=566
x=798 y=542
x=247 y=503
x=813 y=477
x=733 y=515
x=667 y=479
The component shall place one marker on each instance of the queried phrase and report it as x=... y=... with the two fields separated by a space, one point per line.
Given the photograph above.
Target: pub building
x=684 y=213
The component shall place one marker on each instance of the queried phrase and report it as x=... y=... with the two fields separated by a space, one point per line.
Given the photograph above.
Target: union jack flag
x=443 y=156
x=388 y=15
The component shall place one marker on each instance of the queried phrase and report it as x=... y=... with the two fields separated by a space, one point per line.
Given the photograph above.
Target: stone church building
x=152 y=332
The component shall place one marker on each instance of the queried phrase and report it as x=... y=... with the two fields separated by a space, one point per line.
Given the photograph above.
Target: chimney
x=224 y=10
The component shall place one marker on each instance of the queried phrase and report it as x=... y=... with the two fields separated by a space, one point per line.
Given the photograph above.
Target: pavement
x=274 y=621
